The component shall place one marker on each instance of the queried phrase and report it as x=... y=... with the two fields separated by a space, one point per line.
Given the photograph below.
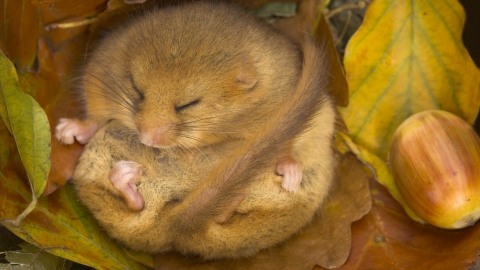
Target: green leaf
x=28 y=123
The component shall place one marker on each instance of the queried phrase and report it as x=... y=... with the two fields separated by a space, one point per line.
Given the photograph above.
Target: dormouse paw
x=124 y=177
x=68 y=130
x=291 y=170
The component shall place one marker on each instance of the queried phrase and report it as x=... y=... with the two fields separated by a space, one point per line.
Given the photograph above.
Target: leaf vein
x=459 y=17
x=387 y=50
x=382 y=95
x=448 y=29
x=445 y=69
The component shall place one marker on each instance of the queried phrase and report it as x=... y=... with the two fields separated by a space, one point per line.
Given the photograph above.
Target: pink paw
x=68 y=130
x=124 y=176
x=291 y=171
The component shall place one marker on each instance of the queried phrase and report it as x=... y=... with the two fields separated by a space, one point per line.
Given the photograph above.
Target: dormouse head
x=191 y=102
x=192 y=77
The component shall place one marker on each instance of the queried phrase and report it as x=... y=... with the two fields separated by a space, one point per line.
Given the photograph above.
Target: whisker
x=239 y=120
x=113 y=79
x=193 y=139
x=207 y=158
x=198 y=117
x=112 y=100
x=215 y=130
x=113 y=111
x=180 y=146
x=111 y=90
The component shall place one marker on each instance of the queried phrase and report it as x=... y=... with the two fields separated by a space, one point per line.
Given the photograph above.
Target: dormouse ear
x=247 y=76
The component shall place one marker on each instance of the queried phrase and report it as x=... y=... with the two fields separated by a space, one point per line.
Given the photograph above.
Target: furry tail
x=226 y=187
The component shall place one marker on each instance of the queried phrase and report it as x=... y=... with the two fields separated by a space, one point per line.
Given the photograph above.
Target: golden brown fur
x=221 y=199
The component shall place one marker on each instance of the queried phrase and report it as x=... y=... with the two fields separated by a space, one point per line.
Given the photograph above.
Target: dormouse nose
x=158 y=136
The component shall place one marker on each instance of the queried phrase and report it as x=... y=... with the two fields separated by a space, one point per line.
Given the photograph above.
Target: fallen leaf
x=325 y=241
x=407 y=57
x=19 y=32
x=28 y=123
x=61 y=226
x=339 y=81
x=387 y=238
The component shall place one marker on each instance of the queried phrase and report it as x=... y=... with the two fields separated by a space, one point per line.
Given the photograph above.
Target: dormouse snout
x=160 y=136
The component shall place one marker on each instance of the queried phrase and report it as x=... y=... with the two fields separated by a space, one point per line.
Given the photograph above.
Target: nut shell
x=435 y=161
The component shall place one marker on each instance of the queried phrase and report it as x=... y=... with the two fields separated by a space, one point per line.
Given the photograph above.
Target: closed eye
x=140 y=94
x=185 y=106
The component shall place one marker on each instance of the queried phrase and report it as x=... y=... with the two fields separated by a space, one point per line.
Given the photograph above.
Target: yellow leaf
x=407 y=57
x=28 y=123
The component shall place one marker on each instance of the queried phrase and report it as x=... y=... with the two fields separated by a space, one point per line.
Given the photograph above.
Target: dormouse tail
x=229 y=182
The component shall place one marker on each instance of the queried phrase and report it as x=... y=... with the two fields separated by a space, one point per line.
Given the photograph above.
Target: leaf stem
x=16 y=223
x=67 y=25
x=27 y=211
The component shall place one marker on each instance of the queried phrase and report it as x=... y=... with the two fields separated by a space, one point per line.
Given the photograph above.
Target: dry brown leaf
x=387 y=238
x=20 y=29
x=339 y=82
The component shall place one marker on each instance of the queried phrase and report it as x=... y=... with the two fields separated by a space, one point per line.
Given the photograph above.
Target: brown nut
x=435 y=161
